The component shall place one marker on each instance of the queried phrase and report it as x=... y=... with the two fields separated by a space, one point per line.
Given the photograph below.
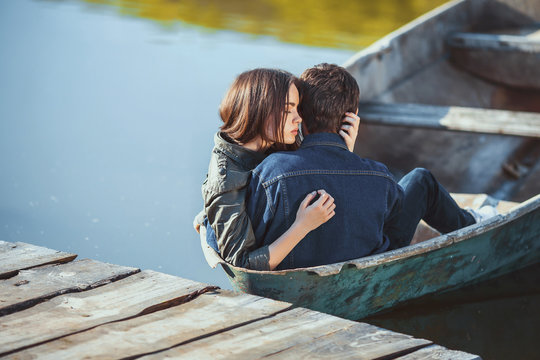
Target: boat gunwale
x=435 y=243
x=385 y=42
x=374 y=55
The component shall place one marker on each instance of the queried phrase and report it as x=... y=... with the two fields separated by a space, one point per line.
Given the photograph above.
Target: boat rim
x=435 y=243
x=385 y=42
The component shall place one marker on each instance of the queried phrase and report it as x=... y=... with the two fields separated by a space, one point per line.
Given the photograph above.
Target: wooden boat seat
x=452 y=118
x=511 y=57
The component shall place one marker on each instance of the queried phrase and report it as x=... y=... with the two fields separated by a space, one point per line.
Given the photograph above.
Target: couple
x=267 y=196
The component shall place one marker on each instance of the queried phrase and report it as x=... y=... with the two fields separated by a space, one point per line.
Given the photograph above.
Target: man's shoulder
x=276 y=163
x=374 y=165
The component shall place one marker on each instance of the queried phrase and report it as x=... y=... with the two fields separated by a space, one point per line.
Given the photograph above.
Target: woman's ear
x=356 y=113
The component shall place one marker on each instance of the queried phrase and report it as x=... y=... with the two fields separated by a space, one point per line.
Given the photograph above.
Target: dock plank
x=437 y=352
x=19 y=256
x=35 y=285
x=360 y=341
x=63 y=315
x=203 y=316
x=291 y=334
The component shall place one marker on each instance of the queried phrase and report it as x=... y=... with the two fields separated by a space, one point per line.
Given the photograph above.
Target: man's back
x=364 y=191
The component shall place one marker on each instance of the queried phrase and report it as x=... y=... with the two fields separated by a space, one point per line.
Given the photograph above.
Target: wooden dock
x=52 y=307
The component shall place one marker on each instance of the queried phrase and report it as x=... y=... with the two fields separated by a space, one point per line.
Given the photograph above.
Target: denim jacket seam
x=269 y=201
x=256 y=174
x=270 y=182
x=286 y=209
x=386 y=202
x=285 y=201
x=317 y=143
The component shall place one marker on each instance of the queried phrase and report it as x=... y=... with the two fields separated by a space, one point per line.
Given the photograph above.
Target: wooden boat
x=362 y=287
x=476 y=135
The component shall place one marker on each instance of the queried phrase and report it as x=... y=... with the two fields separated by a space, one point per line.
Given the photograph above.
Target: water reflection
x=496 y=319
x=329 y=23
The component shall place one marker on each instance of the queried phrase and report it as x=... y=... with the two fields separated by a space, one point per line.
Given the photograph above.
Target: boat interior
x=474 y=201
x=457 y=91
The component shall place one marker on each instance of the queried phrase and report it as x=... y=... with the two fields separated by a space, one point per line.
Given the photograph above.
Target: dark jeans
x=424 y=198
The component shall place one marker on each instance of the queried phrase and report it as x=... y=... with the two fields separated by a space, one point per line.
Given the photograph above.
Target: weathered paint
x=507 y=58
x=365 y=286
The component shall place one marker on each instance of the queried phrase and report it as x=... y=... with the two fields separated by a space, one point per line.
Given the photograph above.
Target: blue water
x=106 y=128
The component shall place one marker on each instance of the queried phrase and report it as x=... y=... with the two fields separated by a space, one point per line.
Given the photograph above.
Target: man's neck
x=322 y=131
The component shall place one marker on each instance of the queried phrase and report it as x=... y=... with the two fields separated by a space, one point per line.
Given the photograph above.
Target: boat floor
x=474 y=201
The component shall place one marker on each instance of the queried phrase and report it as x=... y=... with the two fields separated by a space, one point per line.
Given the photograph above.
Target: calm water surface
x=107 y=124
x=108 y=109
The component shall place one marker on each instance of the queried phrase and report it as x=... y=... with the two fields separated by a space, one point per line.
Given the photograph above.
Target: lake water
x=108 y=110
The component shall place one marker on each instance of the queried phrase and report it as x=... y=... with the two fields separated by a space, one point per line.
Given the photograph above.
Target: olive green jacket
x=224 y=195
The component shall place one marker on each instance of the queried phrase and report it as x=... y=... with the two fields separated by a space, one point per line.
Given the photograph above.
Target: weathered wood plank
x=203 y=316
x=293 y=334
x=360 y=341
x=452 y=118
x=138 y=294
x=35 y=285
x=436 y=352
x=501 y=42
x=18 y=256
x=503 y=58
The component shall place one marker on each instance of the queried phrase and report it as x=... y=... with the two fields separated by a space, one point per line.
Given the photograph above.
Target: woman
x=260 y=115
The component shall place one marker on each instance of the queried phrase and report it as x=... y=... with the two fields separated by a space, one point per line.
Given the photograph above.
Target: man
x=374 y=213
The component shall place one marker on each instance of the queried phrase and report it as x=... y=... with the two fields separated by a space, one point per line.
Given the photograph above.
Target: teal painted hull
x=362 y=287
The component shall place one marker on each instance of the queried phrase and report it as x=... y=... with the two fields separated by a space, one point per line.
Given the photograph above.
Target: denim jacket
x=366 y=196
x=224 y=192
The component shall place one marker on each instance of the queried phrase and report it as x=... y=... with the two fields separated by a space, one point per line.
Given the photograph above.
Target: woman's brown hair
x=256 y=101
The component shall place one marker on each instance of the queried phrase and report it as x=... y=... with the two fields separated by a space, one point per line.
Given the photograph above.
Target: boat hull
x=444 y=263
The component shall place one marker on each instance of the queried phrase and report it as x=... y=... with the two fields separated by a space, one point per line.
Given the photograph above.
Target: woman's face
x=292 y=119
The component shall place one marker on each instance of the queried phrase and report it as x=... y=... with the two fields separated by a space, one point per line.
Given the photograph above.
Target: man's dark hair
x=328 y=92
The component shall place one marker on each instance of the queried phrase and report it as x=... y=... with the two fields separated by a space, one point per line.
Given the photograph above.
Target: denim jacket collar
x=328 y=139
x=246 y=157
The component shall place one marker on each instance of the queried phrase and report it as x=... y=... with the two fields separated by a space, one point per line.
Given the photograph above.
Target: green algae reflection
x=327 y=23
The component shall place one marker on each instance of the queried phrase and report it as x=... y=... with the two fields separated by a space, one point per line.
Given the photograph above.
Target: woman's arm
x=231 y=224
x=235 y=235
x=308 y=217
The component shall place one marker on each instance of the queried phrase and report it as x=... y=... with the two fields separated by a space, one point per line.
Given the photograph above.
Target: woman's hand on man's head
x=349 y=130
